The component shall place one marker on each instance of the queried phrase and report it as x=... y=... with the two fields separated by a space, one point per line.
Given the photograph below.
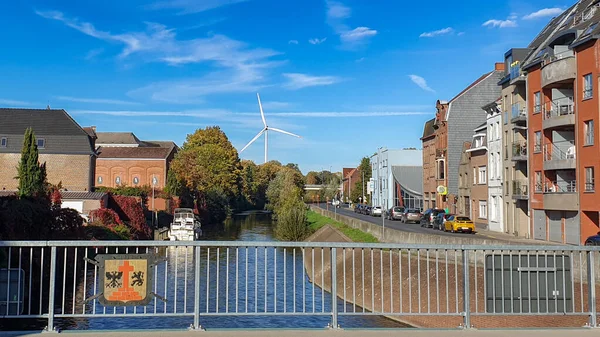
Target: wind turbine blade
x=253 y=140
x=262 y=114
x=287 y=133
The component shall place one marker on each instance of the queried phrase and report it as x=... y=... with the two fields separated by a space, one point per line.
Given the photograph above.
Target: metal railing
x=518 y=111
x=520 y=188
x=425 y=285
x=561 y=150
x=559 y=107
x=564 y=186
x=558 y=56
x=589 y=185
x=519 y=150
x=515 y=71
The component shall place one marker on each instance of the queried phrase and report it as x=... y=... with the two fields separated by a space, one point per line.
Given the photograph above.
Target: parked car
x=357 y=208
x=411 y=215
x=376 y=211
x=593 y=240
x=367 y=210
x=395 y=213
x=440 y=220
x=459 y=224
x=429 y=216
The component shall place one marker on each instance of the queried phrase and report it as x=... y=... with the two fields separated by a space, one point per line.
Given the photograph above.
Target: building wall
x=429 y=167
x=73 y=171
x=479 y=191
x=465 y=183
x=441 y=155
x=381 y=163
x=350 y=183
x=534 y=123
x=587 y=62
x=109 y=170
x=494 y=145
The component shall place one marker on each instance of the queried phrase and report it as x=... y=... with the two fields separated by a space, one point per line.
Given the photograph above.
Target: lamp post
x=153 y=186
x=379 y=167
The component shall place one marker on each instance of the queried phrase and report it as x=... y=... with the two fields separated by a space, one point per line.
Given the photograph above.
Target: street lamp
x=379 y=167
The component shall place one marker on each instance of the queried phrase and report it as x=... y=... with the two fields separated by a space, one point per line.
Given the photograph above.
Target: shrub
x=291 y=221
x=67 y=224
x=105 y=217
x=130 y=211
x=217 y=205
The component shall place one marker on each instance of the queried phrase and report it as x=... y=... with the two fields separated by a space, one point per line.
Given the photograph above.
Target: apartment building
x=435 y=148
x=478 y=161
x=429 y=165
x=495 y=179
x=382 y=164
x=465 y=182
x=514 y=144
x=562 y=110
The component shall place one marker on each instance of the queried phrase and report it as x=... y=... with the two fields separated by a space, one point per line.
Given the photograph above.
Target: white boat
x=185 y=226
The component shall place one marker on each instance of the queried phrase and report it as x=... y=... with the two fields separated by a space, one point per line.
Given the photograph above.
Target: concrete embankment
x=420 y=291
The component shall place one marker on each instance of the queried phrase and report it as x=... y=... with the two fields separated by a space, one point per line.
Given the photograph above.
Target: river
x=177 y=274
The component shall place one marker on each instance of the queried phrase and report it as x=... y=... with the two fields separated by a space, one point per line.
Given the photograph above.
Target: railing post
x=51 y=291
x=466 y=290
x=334 y=308
x=592 y=288
x=196 y=325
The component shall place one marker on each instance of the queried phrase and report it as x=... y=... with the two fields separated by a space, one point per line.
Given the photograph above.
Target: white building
x=495 y=164
x=384 y=193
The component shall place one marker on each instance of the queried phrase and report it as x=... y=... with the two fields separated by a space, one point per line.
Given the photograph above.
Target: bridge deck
x=332 y=333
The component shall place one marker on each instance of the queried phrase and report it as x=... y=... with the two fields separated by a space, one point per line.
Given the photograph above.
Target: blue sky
x=348 y=76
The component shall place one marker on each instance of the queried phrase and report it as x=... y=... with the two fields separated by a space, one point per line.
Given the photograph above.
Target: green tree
x=250 y=184
x=312 y=178
x=285 y=199
x=174 y=185
x=287 y=185
x=365 y=171
x=207 y=160
x=31 y=175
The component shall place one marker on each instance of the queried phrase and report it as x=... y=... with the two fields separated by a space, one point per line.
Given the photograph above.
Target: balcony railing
x=589 y=185
x=518 y=111
x=515 y=71
x=562 y=150
x=520 y=188
x=519 y=150
x=565 y=186
x=559 y=56
x=559 y=107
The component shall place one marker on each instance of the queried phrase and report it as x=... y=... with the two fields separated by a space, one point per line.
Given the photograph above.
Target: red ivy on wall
x=130 y=211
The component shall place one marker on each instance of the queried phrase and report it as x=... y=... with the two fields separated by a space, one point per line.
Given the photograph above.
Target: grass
x=316 y=221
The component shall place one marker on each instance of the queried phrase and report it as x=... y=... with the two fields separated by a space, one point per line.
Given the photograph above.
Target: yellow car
x=458 y=223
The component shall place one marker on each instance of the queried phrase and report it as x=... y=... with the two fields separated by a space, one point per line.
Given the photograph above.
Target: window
x=100 y=180
x=588 y=129
x=136 y=180
x=441 y=169
x=537 y=102
x=41 y=143
x=493 y=168
x=589 y=179
x=493 y=209
x=474 y=176
x=537 y=145
x=587 y=86
x=482 y=175
x=482 y=209
x=3 y=142
x=538 y=182
x=118 y=180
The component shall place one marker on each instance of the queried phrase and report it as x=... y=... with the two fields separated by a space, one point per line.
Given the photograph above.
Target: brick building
x=350 y=176
x=478 y=159
x=429 y=167
x=65 y=147
x=123 y=159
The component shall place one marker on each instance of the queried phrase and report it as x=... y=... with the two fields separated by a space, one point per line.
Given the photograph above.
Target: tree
x=207 y=160
x=312 y=178
x=31 y=175
x=174 y=185
x=364 y=170
x=287 y=185
x=249 y=182
x=285 y=199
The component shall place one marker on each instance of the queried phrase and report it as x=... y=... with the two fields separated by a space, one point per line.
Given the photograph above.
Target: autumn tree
x=285 y=199
x=312 y=178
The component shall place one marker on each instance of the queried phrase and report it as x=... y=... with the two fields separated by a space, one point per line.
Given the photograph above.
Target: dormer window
x=3 y=142
x=41 y=143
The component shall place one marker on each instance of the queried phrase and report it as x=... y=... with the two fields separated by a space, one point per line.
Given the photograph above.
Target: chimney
x=499 y=66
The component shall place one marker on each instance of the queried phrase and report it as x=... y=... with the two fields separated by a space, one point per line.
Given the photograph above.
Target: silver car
x=411 y=215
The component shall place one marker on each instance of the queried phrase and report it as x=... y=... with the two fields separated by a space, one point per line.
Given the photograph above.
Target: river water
x=220 y=269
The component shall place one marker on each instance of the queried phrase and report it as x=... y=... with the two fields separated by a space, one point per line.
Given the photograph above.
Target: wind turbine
x=265 y=131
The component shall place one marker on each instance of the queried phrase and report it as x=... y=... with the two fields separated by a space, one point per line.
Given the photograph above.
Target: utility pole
x=153 y=186
x=379 y=167
x=362 y=197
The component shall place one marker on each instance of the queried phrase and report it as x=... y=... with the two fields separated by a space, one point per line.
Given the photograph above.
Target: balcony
x=516 y=75
x=559 y=68
x=518 y=114
x=560 y=156
x=561 y=195
x=519 y=152
x=559 y=112
x=520 y=190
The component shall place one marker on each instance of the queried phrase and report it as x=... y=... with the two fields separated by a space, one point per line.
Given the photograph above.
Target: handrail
x=565 y=186
x=519 y=149
x=557 y=57
x=520 y=187
x=561 y=150
x=518 y=111
x=559 y=107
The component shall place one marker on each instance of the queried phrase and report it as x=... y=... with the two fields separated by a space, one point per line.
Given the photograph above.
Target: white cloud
x=293 y=42
x=350 y=38
x=317 y=40
x=461 y=33
x=191 y=6
x=274 y=105
x=96 y=100
x=13 y=103
x=360 y=60
x=420 y=81
x=299 y=81
x=542 y=13
x=500 y=23
x=93 y=53
x=448 y=30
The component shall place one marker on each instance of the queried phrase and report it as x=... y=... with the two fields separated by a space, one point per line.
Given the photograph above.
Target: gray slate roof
x=116 y=138
x=409 y=177
x=61 y=133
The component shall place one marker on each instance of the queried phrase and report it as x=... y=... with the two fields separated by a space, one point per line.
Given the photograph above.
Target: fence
x=420 y=285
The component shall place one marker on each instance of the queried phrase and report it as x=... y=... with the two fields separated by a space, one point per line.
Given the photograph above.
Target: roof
x=74 y=195
x=61 y=133
x=472 y=85
x=349 y=173
x=409 y=177
x=481 y=127
x=428 y=129
x=116 y=138
x=91 y=131
x=134 y=152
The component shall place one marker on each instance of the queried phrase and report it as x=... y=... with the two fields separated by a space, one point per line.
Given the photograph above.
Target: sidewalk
x=330 y=333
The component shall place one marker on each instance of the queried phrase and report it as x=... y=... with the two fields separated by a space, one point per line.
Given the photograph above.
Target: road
x=416 y=228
